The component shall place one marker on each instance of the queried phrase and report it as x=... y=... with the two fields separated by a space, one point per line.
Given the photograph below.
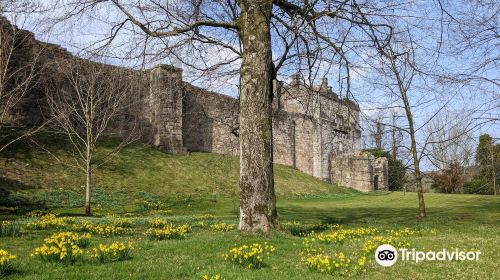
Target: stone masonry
x=361 y=171
x=314 y=129
x=165 y=104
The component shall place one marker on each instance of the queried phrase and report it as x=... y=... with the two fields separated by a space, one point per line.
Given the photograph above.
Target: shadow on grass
x=11 y=198
x=454 y=212
x=347 y=215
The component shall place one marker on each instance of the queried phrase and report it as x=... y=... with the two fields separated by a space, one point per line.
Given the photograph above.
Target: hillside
x=44 y=176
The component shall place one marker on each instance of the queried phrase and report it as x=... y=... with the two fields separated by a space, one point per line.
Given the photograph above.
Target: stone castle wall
x=310 y=125
x=361 y=171
x=210 y=121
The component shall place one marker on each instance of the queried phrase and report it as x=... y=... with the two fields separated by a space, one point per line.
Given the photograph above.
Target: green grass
x=143 y=183
x=33 y=178
x=463 y=221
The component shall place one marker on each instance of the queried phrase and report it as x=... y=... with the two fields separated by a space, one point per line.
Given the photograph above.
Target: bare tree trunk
x=88 y=185
x=493 y=169
x=88 y=211
x=394 y=140
x=416 y=161
x=257 y=197
x=379 y=135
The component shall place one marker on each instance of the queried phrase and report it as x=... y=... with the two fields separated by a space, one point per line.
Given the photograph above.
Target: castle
x=314 y=130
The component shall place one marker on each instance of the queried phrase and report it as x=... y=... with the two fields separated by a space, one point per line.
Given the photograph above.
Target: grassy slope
x=142 y=168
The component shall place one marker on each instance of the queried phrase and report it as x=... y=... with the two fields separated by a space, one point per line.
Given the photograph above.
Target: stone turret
x=166 y=92
x=324 y=85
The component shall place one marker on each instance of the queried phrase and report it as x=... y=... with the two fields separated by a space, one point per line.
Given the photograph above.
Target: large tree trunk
x=257 y=197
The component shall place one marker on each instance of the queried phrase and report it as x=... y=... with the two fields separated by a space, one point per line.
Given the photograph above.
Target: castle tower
x=165 y=102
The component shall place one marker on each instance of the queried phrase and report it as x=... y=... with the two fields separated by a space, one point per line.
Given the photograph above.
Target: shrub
x=6 y=262
x=249 y=256
x=449 y=180
x=168 y=232
x=222 y=227
x=478 y=187
x=9 y=228
x=64 y=247
x=116 y=251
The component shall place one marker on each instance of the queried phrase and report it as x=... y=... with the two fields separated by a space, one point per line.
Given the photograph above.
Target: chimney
x=324 y=84
x=296 y=80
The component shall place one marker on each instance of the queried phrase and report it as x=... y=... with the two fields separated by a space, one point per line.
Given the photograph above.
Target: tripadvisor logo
x=387 y=255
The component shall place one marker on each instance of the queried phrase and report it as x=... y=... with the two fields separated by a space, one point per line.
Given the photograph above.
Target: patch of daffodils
x=64 y=247
x=158 y=223
x=116 y=251
x=6 y=262
x=103 y=230
x=47 y=221
x=249 y=256
x=168 y=232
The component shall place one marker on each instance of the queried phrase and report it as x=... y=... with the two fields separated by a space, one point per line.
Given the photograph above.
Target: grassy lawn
x=201 y=189
x=455 y=221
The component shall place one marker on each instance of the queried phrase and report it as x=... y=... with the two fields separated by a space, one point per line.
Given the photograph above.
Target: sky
x=477 y=100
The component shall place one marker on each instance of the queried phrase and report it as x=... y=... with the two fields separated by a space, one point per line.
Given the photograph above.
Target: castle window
x=340 y=120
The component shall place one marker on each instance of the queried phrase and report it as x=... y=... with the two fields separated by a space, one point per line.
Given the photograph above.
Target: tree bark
x=257 y=196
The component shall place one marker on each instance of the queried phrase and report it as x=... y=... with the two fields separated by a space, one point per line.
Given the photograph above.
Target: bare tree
x=451 y=149
x=450 y=141
x=398 y=64
x=85 y=100
x=473 y=32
